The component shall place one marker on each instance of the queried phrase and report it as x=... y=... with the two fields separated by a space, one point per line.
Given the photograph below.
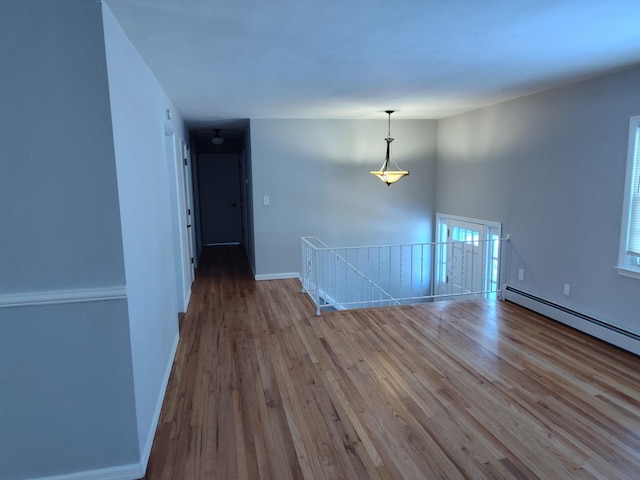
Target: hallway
x=262 y=388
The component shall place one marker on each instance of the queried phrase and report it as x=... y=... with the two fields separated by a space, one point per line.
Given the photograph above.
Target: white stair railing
x=383 y=275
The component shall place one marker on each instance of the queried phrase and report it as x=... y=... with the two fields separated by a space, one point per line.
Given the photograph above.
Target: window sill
x=629 y=272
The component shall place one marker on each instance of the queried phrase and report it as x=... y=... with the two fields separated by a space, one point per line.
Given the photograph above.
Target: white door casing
x=466 y=255
x=188 y=199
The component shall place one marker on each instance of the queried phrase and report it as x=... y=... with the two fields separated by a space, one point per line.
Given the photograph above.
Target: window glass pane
x=633 y=236
x=630 y=231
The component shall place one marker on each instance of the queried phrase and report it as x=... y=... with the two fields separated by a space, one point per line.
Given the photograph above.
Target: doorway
x=221 y=205
x=467 y=256
x=180 y=206
x=188 y=202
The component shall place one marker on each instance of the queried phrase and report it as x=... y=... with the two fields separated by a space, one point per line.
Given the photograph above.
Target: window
x=629 y=256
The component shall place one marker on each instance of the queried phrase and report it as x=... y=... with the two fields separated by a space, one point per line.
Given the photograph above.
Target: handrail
x=352 y=267
x=331 y=279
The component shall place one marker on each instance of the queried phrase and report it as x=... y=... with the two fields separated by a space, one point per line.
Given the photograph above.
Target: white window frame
x=628 y=264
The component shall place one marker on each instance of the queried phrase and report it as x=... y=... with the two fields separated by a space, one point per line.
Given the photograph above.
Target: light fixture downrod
x=386 y=174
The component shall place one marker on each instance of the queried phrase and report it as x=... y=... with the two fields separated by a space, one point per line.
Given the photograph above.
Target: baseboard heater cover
x=600 y=329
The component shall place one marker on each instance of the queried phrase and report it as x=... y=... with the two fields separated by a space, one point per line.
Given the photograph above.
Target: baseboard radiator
x=600 y=329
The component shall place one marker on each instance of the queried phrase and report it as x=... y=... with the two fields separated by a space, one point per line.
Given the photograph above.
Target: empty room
x=297 y=240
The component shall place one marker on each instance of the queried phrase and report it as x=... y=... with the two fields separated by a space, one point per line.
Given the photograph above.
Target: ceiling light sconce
x=386 y=174
x=217 y=139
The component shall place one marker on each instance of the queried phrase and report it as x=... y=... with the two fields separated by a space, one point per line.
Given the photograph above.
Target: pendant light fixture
x=217 y=139
x=386 y=174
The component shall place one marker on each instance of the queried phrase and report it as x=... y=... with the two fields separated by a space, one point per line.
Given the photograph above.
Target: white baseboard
x=598 y=328
x=277 y=276
x=123 y=472
x=146 y=451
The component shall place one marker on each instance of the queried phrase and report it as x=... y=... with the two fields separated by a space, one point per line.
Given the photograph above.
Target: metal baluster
x=317 y=289
x=401 y=270
x=377 y=289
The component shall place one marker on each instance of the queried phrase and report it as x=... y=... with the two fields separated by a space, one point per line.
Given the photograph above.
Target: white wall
x=146 y=193
x=59 y=195
x=551 y=167
x=316 y=174
x=66 y=384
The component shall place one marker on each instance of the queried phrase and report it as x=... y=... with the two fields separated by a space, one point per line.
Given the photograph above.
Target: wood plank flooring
x=261 y=388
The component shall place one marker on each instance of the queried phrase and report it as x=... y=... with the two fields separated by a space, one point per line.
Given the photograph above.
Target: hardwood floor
x=262 y=388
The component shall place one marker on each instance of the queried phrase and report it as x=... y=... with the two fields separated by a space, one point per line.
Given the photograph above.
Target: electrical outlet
x=521 y=274
x=567 y=290
x=266 y=200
